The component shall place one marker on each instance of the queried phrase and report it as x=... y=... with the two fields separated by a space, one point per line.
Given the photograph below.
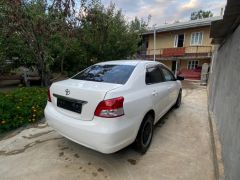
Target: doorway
x=179 y=40
x=174 y=66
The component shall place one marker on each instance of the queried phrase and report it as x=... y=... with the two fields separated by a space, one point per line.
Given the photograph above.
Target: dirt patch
x=76 y=155
x=61 y=154
x=132 y=161
x=94 y=174
x=63 y=148
x=100 y=170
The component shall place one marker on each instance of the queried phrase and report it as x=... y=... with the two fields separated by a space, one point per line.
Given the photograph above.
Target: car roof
x=129 y=62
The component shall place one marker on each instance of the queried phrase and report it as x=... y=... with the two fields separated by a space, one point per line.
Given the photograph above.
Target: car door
x=158 y=92
x=171 y=86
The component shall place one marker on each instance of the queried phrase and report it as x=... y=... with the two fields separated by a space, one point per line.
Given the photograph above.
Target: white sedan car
x=111 y=105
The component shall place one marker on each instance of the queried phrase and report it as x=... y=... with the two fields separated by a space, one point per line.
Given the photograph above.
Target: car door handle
x=154 y=93
x=170 y=87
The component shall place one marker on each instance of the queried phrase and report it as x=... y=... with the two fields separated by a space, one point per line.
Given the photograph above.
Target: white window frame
x=192 y=64
x=199 y=41
x=175 y=40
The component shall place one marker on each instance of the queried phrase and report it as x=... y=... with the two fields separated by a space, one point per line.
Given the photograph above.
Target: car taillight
x=110 y=108
x=49 y=96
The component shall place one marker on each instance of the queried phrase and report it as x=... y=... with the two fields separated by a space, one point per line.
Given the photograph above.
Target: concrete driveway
x=181 y=149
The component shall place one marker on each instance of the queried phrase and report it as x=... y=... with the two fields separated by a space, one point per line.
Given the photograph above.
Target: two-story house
x=183 y=46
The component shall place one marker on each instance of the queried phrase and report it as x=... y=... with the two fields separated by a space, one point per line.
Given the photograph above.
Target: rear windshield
x=117 y=74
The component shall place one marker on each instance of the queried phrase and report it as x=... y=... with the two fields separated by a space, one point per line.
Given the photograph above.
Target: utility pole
x=154 y=43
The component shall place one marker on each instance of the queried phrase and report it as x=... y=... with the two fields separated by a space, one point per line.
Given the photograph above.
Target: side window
x=168 y=75
x=153 y=75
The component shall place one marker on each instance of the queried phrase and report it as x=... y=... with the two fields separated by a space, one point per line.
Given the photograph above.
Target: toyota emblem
x=67 y=91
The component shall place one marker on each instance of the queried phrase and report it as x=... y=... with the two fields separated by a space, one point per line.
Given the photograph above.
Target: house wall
x=224 y=101
x=166 y=39
x=167 y=63
x=184 y=63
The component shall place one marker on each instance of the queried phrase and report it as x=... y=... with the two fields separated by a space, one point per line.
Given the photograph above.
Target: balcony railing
x=181 y=52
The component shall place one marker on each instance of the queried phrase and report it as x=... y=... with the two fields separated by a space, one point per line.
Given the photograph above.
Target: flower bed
x=21 y=107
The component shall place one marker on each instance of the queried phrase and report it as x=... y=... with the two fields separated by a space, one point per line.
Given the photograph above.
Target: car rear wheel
x=145 y=134
x=179 y=99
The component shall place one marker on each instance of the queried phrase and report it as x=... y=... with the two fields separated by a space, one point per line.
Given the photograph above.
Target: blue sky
x=165 y=10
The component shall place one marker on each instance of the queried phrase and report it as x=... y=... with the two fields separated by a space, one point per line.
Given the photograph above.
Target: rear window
x=117 y=74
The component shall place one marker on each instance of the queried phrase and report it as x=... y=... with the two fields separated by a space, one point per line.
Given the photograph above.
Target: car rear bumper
x=104 y=135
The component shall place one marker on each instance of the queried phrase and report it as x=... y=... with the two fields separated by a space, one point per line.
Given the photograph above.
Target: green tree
x=201 y=14
x=107 y=35
x=57 y=35
x=34 y=23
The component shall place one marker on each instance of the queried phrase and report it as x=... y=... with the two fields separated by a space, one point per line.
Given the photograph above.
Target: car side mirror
x=180 y=78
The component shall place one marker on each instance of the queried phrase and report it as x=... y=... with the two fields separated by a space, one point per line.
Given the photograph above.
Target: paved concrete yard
x=181 y=149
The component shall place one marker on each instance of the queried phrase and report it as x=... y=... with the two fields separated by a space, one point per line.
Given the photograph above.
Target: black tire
x=179 y=100
x=145 y=134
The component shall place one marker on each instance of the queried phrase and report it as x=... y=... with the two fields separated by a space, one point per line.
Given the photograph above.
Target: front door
x=174 y=66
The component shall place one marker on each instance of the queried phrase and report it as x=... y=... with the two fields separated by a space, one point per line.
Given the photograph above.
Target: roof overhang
x=220 y=29
x=184 y=25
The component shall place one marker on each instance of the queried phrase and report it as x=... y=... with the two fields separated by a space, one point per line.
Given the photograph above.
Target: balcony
x=190 y=52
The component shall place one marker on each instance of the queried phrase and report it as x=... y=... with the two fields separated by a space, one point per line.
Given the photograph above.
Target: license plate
x=69 y=105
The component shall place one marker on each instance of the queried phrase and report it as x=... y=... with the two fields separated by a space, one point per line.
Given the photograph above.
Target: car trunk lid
x=86 y=93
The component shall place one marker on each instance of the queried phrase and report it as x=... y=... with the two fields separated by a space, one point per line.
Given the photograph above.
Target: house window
x=196 y=38
x=193 y=64
x=179 y=40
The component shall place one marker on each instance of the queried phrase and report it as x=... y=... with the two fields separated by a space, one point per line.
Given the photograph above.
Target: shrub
x=21 y=107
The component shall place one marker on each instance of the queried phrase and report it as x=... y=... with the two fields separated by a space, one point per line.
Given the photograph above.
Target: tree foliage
x=65 y=35
x=201 y=14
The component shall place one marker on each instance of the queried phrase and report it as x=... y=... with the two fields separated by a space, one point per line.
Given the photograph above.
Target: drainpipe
x=154 y=44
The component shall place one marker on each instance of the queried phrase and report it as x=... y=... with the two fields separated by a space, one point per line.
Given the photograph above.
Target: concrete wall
x=224 y=101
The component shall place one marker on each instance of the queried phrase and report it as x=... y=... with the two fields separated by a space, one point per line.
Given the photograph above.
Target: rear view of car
x=110 y=105
x=78 y=110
